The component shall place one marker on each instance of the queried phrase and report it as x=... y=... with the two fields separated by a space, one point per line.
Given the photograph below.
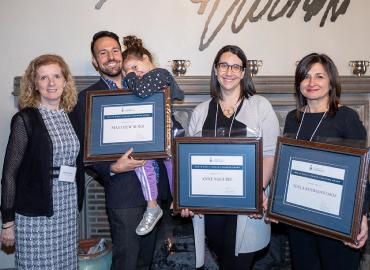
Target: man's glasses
x=223 y=67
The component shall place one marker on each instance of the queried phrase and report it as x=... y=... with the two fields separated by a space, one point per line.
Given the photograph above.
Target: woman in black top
x=42 y=181
x=320 y=117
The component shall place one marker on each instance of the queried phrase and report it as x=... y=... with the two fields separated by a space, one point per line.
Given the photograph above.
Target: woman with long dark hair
x=234 y=111
x=321 y=117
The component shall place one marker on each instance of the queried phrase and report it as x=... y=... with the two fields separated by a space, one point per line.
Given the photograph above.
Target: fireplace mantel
x=199 y=85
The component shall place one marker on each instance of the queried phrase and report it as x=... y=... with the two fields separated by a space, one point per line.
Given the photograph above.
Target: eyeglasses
x=235 y=68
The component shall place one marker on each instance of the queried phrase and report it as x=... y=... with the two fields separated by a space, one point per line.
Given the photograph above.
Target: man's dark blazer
x=122 y=190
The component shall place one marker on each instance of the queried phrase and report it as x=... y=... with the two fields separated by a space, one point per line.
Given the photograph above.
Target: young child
x=143 y=78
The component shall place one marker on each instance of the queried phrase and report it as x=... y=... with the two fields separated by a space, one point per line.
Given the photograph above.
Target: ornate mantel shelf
x=278 y=89
x=272 y=84
x=199 y=85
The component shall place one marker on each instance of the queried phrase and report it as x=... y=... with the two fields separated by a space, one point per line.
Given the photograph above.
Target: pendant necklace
x=317 y=127
x=228 y=112
x=232 y=121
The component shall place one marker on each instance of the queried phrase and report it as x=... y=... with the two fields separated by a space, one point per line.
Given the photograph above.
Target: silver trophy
x=254 y=65
x=359 y=67
x=179 y=66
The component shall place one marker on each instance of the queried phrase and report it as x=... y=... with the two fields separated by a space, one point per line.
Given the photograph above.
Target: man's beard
x=110 y=72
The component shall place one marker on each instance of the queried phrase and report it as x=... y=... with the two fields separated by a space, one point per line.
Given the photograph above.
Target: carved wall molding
x=199 y=85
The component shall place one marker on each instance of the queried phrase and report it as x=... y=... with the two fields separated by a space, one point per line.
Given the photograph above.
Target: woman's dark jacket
x=30 y=193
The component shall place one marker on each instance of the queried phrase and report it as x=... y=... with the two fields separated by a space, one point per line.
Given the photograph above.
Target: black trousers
x=315 y=252
x=221 y=234
x=130 y=251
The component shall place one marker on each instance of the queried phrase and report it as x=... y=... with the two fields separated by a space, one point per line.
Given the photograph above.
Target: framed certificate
x=218 y=175
x=319 y=187
x=118 y=120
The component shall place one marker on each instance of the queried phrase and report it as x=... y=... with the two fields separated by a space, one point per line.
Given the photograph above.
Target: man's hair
x=102 y=34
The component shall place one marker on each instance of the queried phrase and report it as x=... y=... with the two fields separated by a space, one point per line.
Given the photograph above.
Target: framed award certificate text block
x=118 y=120
x=218 y=175
x=319 y=187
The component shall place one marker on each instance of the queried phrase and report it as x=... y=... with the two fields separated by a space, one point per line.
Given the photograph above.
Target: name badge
x=67 y=173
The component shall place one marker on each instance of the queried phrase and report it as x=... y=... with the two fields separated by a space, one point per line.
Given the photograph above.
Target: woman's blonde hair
x=30 y=97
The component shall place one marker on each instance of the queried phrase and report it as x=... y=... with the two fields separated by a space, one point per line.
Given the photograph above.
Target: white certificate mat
x=315 y=186
x=216 y=175
x=128 y=123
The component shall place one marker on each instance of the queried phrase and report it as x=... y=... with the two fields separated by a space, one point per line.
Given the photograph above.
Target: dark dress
x=308 y=250
x=44 y=242
x=221 y=229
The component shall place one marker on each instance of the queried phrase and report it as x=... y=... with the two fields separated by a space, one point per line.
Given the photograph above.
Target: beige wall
x=170 y=29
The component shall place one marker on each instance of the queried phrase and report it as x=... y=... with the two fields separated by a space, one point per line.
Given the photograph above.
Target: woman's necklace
x=228 y=112
x=317 y=127
x=232 y=120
